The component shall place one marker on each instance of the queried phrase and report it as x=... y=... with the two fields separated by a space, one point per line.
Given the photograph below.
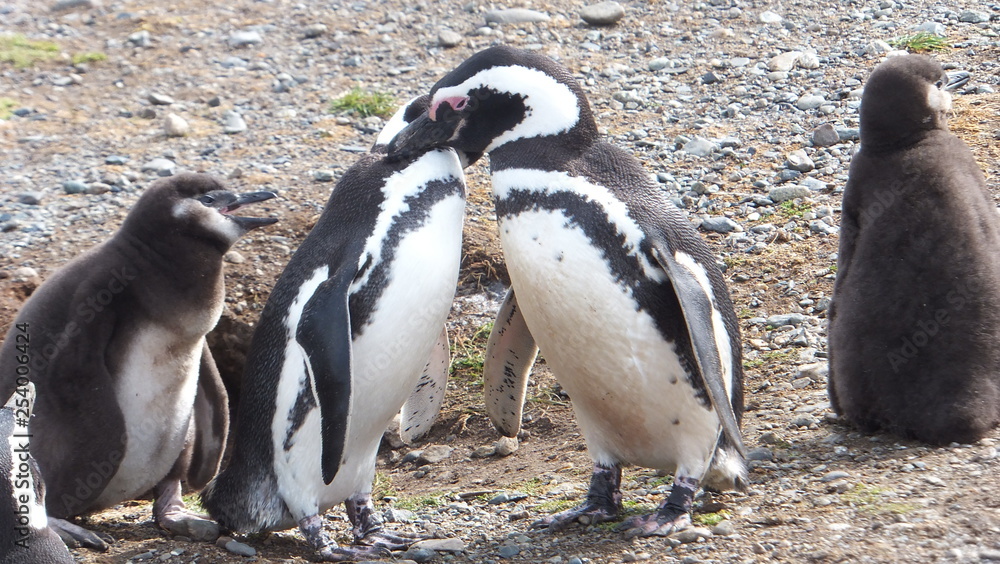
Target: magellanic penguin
x=25 y=536
x=129 y=400
x=914 y=321
x=340 y=345
x=621 y=294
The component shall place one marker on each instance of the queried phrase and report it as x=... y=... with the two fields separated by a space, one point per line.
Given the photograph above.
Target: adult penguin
x=129 y=400
x=913 y=320
x=620 y=293
x=340 y=345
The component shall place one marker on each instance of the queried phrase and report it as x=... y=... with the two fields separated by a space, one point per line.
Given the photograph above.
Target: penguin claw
x=353 y=553
x=192 y=525
x=390 y=541
x=586 y=514
x=75 y=536
x=655 y=525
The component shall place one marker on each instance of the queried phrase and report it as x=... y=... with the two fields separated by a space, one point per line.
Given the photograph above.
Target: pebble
x=234 y=257
x=604 y=13
x=763 y=454
x=825 y=136
x=141 y=39
x=785 y=193
x=232 y=122
x=835 y=475
x=769 y=17
x=97 y=188
x=509 y=551
x=435 y=454
x=160 y=99
x=799 y=161
x=972 y=16
x=74 y=187
x=783 y=62
x=115 y=160
x=809 y=102
x=692 y=534
x=441 y=545
x=240 y=549
x=420 y=554
x=30 y=198
x=780 y=320
x=175 y=126
x=449 y=38
x=62 y=5
x=720 y=225
x=515 y=16
x=160 y=166
x=245 y=39
x=936 y=28
x=700 y=147
x=315 y=30
x=506 y=446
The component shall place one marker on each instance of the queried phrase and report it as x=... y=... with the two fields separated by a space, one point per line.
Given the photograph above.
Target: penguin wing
x=324 y=333
x=211 y=423
x=424 y=404
x=510 y=354
x=694 y=292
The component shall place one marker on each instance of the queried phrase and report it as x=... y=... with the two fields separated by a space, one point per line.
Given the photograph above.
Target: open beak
x=957 y=79
x=420 y=135
x=248 y=223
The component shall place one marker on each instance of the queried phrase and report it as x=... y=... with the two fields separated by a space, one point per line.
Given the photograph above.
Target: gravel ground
x=746 y=112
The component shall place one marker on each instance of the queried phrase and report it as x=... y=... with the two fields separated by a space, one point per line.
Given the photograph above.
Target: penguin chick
x=339 y=347
x=620 y=293
x=128 y=397
x=913 y=322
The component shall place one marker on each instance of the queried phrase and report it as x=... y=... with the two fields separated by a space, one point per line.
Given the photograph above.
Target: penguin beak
x=422 y=134
x=247 y=223
x=957 y=79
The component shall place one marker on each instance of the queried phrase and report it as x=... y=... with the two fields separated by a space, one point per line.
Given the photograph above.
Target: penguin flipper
x=510 y=354
x=324 y=333
x=694 y=292
x=424 y=404
x=211 y=423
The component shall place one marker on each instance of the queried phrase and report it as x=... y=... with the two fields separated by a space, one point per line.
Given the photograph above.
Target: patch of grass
x=469 y=353
x=921 y=42
x=754 y=363
x=24 y=52
x=382 y=486
x=711 y=519
x=193 y=503
x=870 y=499
x=7 y=105
x=531 y=487
x=556 y=505
x=746 y=313
x=416 y=503
x=365 y=103
x=790 y=209
x=93 y=57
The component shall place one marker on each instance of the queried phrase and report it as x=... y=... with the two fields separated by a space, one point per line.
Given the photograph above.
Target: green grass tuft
x=921 y=42
x=790 y=209
x=24 y=52
x=470 y=353
x=7 y=106
x=419 y=502
x=870 y=499
x=711 y=519
x=365 y=103
x=83 y=58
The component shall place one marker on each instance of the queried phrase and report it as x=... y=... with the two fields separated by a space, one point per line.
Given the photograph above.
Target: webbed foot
x=76 y=536
x=673 y=515
x=604 y=502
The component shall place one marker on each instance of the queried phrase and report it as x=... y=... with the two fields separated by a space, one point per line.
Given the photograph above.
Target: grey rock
x=782 y=319
x=849 y=134
x=196 y=529
x=515 y=16
x=509 y=551
x=710 y=78
x=161 y=166
x=449 y=38
x=441 y=545
x=241 y=549
x=434 y=454
x=160 y=99
x=245 y=39
x=323 y=175
x=419 y=555
x=825 y=135
x=506 y=446
x=97 y=188
x=147 y=113
x=233 y=61
x=822 y=228
x=769 y=17
x=804 y=421
x=232 y=122
x=175 y=126
x=798 y=160
x=62 y=5
x=700 y=147
x=604 y=13
x=835 y=475
x=74 y=187
x=720 y=225
x=991 y=555
x=724 y=529
x=691 y=534
x=141 y=39
x=809 y=102
x=30 y=198
x=315 y=30
x=761 y=454
x=234 y=257
x=784 y=193
x=936 y=28
x=507 y=497
x=783 y=62
x=972 y=16
x=397 y=515
x=808 y=60
x=115 y=160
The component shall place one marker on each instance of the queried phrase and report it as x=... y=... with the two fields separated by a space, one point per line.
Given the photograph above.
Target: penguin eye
x=939 y=83
x=207 y=199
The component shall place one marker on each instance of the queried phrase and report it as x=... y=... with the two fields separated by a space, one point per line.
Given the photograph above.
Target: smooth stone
x=972 y=16
x=849 y=134
x=724 y=529
x=700 y=147
x=420 y=555
x=804 y=421
x=141 y=39
x=800 y=161
x=659 y=63
x=97 y=188
x=74 y=187
x=506 y=446
x=783 y=62
x=936 y=28
x=397 y=515
x=30 y=198
x=245 y=39
x=809 y=102
x=769 y=17
x=160 y=99
x=161 y=166
x=234 y=257
x=115 y=160
x=761 y=454
x=515 y=16
x=604 y=13
x=441 y=545
x=435 y=453
x=720 y=225
x=196 y=529
x=509 y=551
x=71 y=4
x=312 y=31
x=808 y=60
x=782 y=319
x=784 y=193
x=175 y=126
x=692 y=534
x=449 y=38
x=323 y=175
x=232 y=122
x=241 y=549
x=825 y=135
x=710 y=78
x=835 y=475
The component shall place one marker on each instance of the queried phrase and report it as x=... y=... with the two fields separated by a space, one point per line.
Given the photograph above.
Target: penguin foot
x=604 y=502
x=352 y=553
x=76 y=536
x=367 y=526
x=172 y=516
x=389 y=541
x=673 y=515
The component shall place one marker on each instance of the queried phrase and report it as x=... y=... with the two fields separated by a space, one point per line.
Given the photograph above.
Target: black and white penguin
x=25 y=536
x=620 y=293
x=340 y=346
x=913 y=322
x=129 y=400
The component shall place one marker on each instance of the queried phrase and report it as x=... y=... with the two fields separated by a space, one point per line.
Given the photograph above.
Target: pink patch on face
x=456 y=103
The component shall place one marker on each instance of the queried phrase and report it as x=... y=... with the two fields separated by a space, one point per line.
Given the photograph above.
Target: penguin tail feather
x=246 y=505
x=728 y=471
